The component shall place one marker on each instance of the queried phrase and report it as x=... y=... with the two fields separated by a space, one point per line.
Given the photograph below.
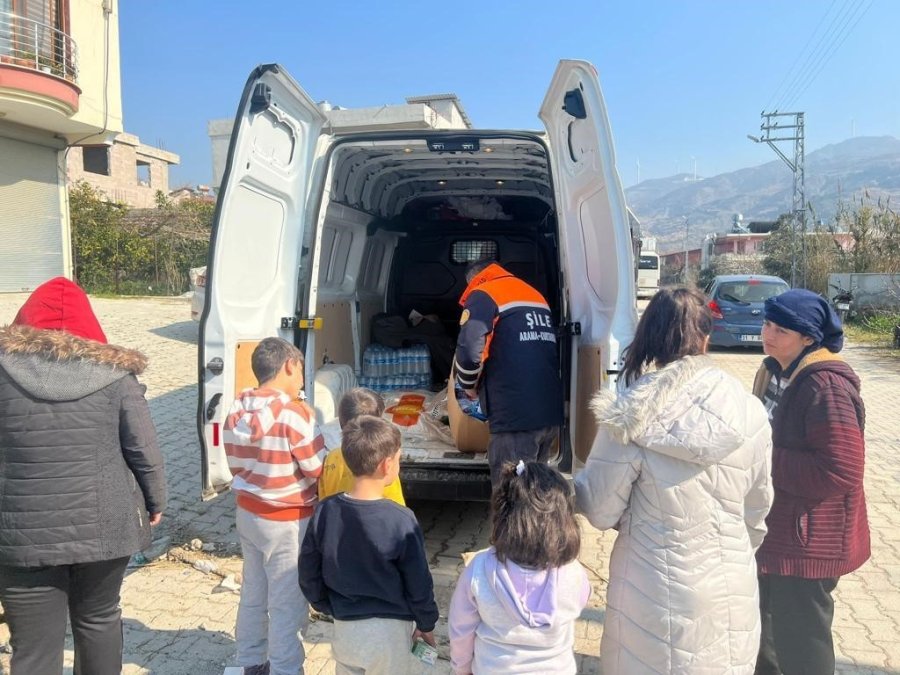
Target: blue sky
x=682 y=80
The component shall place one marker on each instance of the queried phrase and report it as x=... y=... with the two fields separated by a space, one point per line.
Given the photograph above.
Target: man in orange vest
x=506 y=356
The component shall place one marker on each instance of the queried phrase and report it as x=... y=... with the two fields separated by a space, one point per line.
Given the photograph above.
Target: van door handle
x=213 y=404
x=216 y=366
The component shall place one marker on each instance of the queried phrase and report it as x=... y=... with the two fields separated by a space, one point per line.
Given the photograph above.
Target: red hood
x=60 y=304
x=489 y=273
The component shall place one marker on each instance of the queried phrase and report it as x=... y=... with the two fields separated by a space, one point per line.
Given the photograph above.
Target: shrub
x=136 y=252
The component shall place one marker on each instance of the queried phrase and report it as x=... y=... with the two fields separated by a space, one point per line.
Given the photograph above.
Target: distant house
x=733 y=252
x=437 y=111
x=740 y=244
x=200 y=192
x=127 y=171
x=672 y=264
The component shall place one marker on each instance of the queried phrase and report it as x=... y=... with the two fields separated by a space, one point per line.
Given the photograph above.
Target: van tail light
x=715 y=309
x=201 y=280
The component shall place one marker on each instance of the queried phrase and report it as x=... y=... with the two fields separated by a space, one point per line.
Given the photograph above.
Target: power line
x=788 y=72
x=835 y=47
x=837 y=24
x=818 y=48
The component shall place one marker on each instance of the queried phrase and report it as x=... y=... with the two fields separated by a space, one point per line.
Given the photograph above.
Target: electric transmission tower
x=774 y=131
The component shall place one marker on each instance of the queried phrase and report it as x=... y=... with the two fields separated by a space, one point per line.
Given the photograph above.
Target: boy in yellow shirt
x=336 y=477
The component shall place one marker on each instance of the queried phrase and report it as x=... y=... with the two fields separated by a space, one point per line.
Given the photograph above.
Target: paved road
x=179 y=620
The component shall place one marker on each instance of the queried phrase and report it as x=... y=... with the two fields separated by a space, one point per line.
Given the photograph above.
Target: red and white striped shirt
x=275 y=454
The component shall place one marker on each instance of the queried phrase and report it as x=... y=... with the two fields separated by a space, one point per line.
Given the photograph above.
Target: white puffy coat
x=680 y=467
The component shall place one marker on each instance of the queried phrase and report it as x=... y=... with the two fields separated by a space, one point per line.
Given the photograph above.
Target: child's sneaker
x=257 y=670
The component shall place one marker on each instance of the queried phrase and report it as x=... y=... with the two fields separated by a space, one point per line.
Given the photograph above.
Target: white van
x=316 y=233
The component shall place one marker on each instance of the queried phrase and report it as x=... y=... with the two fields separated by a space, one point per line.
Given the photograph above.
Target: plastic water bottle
x=424 y=366
x=369 y=366
x=409 y=360
x=382 y=361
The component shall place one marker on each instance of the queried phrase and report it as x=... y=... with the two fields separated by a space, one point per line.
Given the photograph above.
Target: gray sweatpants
x=375 y=647
x=272 y=614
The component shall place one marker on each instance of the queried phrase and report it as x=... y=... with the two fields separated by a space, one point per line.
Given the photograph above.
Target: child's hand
x=427 y=637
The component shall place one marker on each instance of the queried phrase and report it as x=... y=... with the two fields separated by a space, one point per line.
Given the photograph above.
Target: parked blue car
x=737 y=302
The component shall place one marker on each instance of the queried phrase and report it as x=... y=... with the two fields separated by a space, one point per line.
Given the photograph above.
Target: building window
x=96 y=159
x=35 y=33
x=143 y=173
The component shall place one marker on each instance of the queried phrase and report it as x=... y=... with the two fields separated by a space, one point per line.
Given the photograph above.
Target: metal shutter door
x=30 y=216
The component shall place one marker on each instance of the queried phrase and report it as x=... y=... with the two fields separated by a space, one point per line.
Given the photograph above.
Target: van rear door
x=595 y=238
x=255 y=259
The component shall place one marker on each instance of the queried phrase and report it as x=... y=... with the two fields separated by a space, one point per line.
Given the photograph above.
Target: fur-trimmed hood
x=689 y=409
x=57 y=366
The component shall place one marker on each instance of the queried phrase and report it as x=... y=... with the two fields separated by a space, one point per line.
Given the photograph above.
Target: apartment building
x=59 y=86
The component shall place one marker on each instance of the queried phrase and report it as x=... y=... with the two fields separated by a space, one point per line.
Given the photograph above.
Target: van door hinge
x=570 y=328
x=261 y=98
x=295 y=322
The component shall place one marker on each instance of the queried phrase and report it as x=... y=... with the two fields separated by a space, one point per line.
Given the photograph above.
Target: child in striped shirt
x=275 y=454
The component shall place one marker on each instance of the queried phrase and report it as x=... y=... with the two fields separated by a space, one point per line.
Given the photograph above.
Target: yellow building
x=59 y=86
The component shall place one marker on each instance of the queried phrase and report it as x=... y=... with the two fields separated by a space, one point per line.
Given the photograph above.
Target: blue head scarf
x=808 y=314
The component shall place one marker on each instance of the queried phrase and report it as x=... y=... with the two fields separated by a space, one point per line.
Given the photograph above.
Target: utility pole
x=773 y=132
x=684 y=272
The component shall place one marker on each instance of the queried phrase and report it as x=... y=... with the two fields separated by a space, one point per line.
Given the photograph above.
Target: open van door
x=595 y=239
x=256 y=260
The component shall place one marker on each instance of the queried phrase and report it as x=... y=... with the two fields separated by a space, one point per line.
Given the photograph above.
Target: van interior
x=402 y=217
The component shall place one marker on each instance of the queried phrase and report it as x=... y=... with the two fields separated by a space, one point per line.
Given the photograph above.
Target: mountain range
x=851 y=169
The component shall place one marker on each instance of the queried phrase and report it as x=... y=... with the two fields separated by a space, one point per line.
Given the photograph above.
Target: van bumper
x=446 y=484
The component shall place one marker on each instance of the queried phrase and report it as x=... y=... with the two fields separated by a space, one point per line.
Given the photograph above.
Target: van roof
x=383 y=173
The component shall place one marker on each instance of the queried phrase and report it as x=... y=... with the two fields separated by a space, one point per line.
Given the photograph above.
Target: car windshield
x=747 y=292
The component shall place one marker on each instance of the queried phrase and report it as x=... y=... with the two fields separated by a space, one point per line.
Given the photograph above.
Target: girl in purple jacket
x=515 y=605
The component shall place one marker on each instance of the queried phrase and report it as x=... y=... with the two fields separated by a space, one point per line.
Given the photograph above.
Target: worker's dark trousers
x=36 y=601
x=509 y=447
x=796 y=626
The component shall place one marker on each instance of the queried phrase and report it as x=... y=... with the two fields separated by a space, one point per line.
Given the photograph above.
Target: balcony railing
x=31 y=44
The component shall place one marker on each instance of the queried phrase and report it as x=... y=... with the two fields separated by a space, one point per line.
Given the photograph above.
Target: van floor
x=417 y=450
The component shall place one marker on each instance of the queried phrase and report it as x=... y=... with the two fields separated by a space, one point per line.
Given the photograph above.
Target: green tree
x=138 y=251
x=778 y=249
x=104 y=252
x=875 y=229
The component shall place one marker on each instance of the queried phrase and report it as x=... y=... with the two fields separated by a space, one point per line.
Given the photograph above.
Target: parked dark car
x=737 y=301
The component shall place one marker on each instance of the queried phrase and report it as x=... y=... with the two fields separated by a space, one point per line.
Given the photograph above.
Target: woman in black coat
x=81 y=481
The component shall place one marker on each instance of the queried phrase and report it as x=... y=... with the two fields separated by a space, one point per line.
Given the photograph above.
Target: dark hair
x=366 y=442
x=476 y=267
x=676 y=323
x=359 y=401
x=534 y=517
x=270 y=355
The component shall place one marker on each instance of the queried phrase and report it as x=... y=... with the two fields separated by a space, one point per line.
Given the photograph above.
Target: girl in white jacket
x=680 y=466
x=515 y=605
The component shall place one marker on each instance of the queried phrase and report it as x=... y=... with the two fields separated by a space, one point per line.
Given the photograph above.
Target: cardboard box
x=470 y=435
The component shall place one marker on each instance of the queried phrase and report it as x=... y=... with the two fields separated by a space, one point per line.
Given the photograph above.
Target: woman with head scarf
x=81 y=481
x=818 y=530
x=680 y=467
